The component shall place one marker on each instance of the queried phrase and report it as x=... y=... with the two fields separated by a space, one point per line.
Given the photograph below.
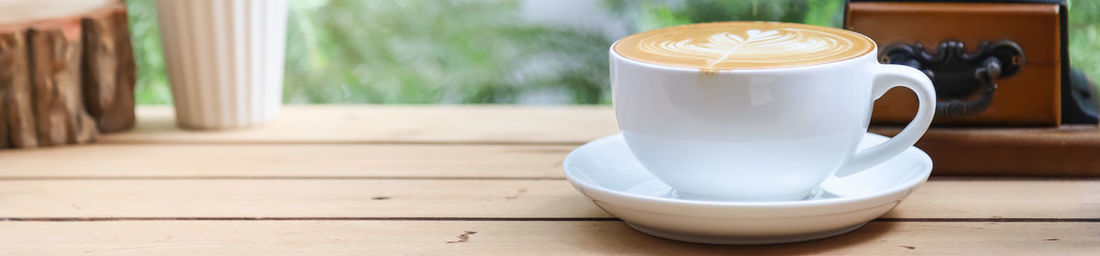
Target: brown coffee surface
x=743 y=45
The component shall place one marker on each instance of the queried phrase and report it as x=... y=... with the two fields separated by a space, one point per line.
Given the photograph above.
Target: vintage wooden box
x=1010 y=107
x=994 y=63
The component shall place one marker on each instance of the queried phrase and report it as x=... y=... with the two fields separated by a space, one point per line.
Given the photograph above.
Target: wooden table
x=446 y=180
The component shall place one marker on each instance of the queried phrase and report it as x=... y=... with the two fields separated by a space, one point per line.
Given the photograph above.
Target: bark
x=55 y=76
x=63 y=80
x=109 y=72
x=15 y=92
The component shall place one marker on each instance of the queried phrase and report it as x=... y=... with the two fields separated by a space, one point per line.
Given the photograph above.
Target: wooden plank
x=388 y=123
x=247 y=198
x=1065 y=151
x=1003 y=199
x=295 y=160
x=292 y=198
x=516 y=238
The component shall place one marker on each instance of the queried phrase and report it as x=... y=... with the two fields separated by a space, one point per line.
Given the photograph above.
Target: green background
x=456 y=51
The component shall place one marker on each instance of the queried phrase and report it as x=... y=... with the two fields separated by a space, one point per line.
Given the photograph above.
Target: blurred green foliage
x=1084 y=36
x=152 y=82
x=435 y=52
x=458 y=51
x=384 y=51
x=658 y=14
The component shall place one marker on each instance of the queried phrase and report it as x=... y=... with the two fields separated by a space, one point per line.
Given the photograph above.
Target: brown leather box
x=1023 y=90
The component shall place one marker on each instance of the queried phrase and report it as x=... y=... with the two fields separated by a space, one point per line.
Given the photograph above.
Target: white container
x=224 y=60
x=759 y=134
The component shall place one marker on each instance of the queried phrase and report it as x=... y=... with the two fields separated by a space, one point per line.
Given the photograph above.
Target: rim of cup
x=871 y=54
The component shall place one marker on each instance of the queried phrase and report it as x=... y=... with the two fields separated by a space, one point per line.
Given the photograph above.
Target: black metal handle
x=958 y=75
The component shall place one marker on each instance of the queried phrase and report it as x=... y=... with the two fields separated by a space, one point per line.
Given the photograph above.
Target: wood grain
x=48 y=59
x=108 y=71
x=395 y=180
x=293 y=198
x=287 y=160
x=516 y=238
x=1064 y=151
x=55 y=75
x=15 y=89
x=388 y=123
x=12 y=53
x=467 y=198
x=5 y=141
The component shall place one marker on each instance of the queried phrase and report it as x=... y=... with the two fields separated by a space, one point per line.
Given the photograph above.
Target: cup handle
x=889 y=76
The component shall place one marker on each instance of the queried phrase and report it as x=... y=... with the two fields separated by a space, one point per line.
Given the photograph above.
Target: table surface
x=440 y=180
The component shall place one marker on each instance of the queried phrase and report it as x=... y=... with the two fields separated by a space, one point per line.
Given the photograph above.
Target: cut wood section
x=248 y=198
x=108 y=69
x=517 y=238
x=51 y=51
x=293 y=160
x=5 y=142
x=55 y=71
x=15 y=92
x=387 y=123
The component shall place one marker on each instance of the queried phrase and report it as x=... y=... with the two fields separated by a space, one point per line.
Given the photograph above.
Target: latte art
x=756 y=46
x=732 y=45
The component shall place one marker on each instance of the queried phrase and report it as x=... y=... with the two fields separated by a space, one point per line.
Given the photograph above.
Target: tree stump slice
x=15 y=91
x=67 y=71
x=109 y=72
x=55 y=68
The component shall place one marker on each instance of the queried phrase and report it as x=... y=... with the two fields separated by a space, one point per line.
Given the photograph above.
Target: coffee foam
x=743 y=45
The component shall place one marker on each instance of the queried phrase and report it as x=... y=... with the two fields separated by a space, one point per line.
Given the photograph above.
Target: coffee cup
x=755 y=111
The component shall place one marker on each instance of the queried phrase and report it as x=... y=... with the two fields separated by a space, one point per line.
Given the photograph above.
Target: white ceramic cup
x=771 y=134
x=224 y=60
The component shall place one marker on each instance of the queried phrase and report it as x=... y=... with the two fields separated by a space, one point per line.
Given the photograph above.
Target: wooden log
x=55 y=71
x=15 y=92
x=66 y=71
x=3 y=119
x=109 y=69
x=6 y=64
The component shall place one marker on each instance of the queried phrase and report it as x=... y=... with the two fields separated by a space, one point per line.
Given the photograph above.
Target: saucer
x=606 y=171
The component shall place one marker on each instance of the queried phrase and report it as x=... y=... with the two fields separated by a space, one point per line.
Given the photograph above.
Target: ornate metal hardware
x=958 y=75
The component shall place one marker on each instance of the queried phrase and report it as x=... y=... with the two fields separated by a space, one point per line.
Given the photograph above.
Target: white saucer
x=607 y=172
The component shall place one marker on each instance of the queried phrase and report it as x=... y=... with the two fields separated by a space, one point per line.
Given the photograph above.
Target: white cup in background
x=224 y=60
